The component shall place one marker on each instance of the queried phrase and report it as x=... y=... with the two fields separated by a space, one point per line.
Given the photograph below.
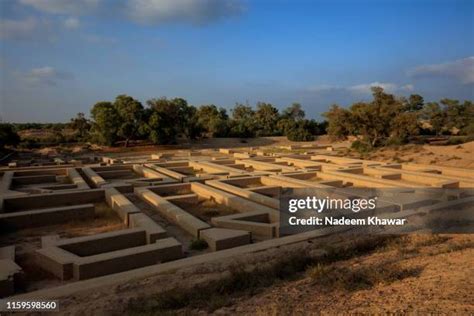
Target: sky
x=60 y=57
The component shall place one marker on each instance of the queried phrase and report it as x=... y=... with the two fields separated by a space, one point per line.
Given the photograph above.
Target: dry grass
x=363 y=265
x=241 y=282
x=333 y=277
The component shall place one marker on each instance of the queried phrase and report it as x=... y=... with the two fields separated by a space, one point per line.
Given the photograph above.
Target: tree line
x=386 y=119
x=391 y=120
x=163 y=121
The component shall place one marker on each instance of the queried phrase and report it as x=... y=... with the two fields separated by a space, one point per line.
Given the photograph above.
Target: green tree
x=80 y=125
x=106 y=123
x=213 y=121
x=130 y=112
x=339 y=122
x=300 y=132
x=170 y=118
x=414 y=103
x=373 y=120
x=243 y=121
x=436 y=117
x=294 y=112
x=468 y=127
x=458 y=115
x=385 y=117
x=404 y=126
x=8 y=135
x=266 y=119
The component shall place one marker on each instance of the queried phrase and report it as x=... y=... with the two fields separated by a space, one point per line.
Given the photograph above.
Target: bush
x=198 y=244
x=299 y=135
x=457 y=140
x=395 y=141
x=361 y=147
x=8 y=136
x=29 y=144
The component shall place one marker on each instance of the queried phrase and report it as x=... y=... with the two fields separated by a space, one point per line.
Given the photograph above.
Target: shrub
x=29 y=144
x=198 y=244
x=8 y=136
x=361 y=147
x=395 y=141
x=299 y=134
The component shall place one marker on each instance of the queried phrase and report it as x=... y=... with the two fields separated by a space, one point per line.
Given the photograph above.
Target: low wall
x=120 y=204
x=105 y=242
x=45 y=217
x=97 y=180
x=127 y=259
x=173 y=213
x=35 y=201
x=76 y=178
x=153 y=230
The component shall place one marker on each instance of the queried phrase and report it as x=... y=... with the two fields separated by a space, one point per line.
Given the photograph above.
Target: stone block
x=222 y=238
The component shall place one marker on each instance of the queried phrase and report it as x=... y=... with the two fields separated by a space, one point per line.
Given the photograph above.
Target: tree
x=212 y=120
x=414 y=103
x=8 y=135
x=192 y=129
x=266 y=119
x=376 y=121
x=243 y=121
x=458 y=115
x=373 y=120
x=294 y=112
x=468 y=128
x=80 y=125
x=168 y=119
x=300 y=132
x=436 y=117
x=404 y=126
x=130 y=112
x=106 y=123
x=290 y=119
x=339 y=122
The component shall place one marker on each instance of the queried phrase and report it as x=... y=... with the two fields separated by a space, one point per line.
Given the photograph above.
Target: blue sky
x=59 y=57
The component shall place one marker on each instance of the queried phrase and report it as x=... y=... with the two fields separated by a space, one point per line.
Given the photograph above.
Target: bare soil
x=440 y=279
x=460 y=156
x=427 y=274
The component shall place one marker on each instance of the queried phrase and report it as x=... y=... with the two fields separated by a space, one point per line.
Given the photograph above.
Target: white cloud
x=408 y=87
x=72 y=23
x=18 y=29
x=460 y=69
x=192 y=11
x=63 y=6
x=45 y=76
x=364 y=88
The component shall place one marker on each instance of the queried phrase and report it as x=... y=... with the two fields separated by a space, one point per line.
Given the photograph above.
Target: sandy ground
x=441 y=278
x=461 y=156
x=442 y=282
x=427 y=275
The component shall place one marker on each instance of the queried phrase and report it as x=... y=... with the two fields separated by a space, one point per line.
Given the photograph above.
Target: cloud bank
x=23 y=29
x=72 y=23
x=362 y=89
x=460 y=69
x=46 y=75
x=177 y=11
x=71 y=7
